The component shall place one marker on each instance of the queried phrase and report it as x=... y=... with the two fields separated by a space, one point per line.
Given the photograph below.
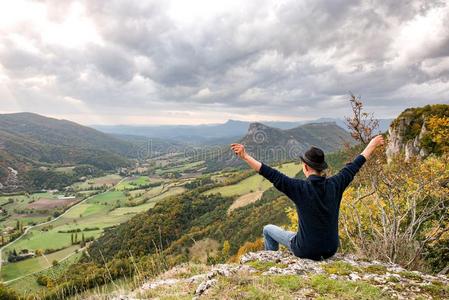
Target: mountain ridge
x=230 y=128
x=270 y=144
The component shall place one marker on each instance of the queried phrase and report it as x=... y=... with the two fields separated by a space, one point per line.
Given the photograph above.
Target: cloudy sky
x=206 y=61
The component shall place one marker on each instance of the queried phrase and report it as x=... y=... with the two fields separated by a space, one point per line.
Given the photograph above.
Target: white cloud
x=206 y=61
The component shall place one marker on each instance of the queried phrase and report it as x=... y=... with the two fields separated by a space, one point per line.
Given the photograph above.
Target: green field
x=28 y=285
x=28 y=266
x=136 y=182
x=253 y=183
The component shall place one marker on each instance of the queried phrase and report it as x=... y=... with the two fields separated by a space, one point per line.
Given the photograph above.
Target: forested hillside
x=29 y=141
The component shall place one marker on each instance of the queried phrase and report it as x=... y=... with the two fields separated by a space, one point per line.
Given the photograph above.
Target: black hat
x=314 y=158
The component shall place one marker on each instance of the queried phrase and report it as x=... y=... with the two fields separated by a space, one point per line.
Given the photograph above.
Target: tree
x=361 y=124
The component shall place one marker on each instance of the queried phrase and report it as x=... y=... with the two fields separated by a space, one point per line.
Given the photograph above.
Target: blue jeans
x=274 y=235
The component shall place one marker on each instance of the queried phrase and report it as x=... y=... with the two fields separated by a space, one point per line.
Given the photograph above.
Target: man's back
x=317 y=201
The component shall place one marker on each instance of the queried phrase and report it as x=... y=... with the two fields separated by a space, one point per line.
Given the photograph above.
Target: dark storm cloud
x=266 y=57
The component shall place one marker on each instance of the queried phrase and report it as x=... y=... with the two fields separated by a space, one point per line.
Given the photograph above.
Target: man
x=317 y=200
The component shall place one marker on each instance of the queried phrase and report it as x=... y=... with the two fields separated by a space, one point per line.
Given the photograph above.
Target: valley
x=56 y=226
x=53 y=225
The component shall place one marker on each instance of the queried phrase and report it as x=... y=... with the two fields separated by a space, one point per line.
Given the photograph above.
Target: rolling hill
x=29 y=140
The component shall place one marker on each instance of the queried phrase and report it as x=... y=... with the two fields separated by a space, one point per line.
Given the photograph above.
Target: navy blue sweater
x=317 y=200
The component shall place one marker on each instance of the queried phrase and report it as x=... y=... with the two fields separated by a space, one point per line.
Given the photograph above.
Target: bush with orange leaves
x=257 y=245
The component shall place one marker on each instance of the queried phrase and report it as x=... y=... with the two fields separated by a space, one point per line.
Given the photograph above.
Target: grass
x=341 y=289
x=340 y=268
x=288 y=282
x=253 y=183
x=375 y=269
x=410 y=275
x=437 y=290
x=264 y=265
x=247 y=286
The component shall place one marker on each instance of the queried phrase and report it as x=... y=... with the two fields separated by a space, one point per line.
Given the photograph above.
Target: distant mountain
x=211 y=133
x=29 y=140
x=271 y=144
x=146 y=147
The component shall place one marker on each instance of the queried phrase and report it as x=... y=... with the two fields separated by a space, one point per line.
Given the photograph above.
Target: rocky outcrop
x=304 y=279
x=409 y=135
x=399 y=143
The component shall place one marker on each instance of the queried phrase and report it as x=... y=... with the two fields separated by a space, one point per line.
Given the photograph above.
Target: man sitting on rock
x=317 y=200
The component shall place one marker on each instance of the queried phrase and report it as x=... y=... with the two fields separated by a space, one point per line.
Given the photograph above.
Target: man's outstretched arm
x=346 y=175
x=280 y=181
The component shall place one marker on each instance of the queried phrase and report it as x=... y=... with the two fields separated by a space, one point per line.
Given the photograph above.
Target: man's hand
x=372 y=145
x=377 y=141
x=239 y=150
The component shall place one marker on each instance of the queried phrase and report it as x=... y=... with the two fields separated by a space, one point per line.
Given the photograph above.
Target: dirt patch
x=245 y=200
x=106 y=181
x=45 y=203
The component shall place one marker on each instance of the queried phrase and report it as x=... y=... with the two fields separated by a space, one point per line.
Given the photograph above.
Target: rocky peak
x=398 y=141
x=281 y=274
x=256 y=126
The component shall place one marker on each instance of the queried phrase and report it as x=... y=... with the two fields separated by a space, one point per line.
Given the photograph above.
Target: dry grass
x=201 y=250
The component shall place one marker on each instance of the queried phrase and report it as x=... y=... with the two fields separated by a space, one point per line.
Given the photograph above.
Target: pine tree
x=71 y=238
x=76 y=238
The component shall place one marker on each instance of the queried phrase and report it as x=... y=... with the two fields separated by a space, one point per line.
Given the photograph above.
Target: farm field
x=99 y=182
x=28 y=284
x=192 y=166
x=90 y=218
x=136 y=182
x=24 y=210
x=28 y=266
